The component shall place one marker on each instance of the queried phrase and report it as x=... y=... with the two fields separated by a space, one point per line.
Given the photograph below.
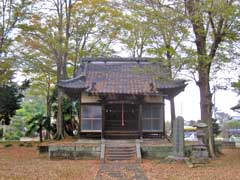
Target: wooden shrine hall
x=121 y=97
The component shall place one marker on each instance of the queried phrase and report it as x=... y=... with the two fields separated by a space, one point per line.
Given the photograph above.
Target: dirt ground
x=23 y=163
x=227 y=167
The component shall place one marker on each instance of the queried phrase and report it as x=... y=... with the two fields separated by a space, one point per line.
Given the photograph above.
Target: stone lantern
x=200 y=151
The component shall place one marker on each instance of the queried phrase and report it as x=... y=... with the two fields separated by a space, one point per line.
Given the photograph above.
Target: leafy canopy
x=11 y=96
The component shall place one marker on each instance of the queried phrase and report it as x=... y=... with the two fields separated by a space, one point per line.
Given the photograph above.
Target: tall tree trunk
x=60 y=124
x=63 y=8
x=40 y=132
x=206 y=107
x=48 y=107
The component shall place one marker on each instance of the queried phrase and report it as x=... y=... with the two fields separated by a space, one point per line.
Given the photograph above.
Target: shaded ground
x=227 y=167
x=121 y=171
x=23 y=163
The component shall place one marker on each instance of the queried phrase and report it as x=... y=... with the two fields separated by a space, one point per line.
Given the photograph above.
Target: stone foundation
x=74 y=151
x=92 y=150
x=161 y=152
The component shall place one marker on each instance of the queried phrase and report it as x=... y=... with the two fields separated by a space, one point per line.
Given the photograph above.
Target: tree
x=169 y=33
x=55 y=44
x=11 y=13
x=11 y=96
x=213 y=23
x=236 y=86
x=37 y=123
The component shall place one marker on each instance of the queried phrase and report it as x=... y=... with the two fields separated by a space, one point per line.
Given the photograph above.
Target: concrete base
x=75 y=151
x=93 y=149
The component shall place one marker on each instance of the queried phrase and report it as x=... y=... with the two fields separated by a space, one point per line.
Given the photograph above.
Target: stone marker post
x=178 y=137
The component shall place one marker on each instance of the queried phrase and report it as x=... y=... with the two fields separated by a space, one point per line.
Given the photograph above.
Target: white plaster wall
x=153 y=99
x=89 y=99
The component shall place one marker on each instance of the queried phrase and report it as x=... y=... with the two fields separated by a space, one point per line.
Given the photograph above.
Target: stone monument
x=178 y=137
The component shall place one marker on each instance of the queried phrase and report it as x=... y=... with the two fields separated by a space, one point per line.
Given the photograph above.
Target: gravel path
x=120 y=171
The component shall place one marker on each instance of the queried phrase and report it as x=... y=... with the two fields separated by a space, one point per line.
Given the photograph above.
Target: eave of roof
x=118 y=78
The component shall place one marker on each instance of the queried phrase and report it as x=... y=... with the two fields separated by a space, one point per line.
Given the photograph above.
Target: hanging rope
x=122 y=114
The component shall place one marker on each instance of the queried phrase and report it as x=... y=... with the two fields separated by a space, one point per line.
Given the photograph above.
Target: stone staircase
x=121 y=151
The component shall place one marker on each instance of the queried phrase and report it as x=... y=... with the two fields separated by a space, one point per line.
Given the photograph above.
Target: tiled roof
x=121 y=78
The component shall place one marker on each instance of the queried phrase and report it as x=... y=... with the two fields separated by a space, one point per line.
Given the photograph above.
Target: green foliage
x=11 y=13
x=7 y=145
x=13 y=136
x=69 y=111
x=10 y=97
x=32 y=105
x=236 y=86
x=16 y=129
x=36 y=123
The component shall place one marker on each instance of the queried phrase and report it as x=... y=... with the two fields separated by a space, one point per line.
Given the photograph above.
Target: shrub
x=7 y=145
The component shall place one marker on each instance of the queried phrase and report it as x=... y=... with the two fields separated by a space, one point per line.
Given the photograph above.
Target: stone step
x=120 y=155
x=120 y=152
x=119 y=158
x=120 y=148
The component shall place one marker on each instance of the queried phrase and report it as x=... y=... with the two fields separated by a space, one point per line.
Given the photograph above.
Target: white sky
x=187 y=103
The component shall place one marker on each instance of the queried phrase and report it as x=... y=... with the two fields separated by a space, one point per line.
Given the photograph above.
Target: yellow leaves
x=35 y=18
x=90 y=2
x=6 y=70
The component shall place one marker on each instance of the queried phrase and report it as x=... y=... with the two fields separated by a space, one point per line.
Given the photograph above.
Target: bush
x=1 y=133
x=28 y=144
x=7 y=145
x=11 y=136
x=21 y=145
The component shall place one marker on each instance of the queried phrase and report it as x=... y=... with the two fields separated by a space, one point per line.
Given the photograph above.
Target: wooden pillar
x=103 y=119
x=80 y=114
x=140 y=121
x=173 y=115
x=163 y=117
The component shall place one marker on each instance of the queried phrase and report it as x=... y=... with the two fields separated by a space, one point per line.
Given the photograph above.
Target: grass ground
x=23 y=163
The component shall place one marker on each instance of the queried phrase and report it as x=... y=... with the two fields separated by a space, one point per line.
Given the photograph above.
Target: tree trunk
x=206 y=107
x=40 y=132
x=60 y=130
x=48 y=108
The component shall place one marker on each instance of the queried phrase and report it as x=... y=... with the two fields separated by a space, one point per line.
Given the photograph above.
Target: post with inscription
x=178 y=137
